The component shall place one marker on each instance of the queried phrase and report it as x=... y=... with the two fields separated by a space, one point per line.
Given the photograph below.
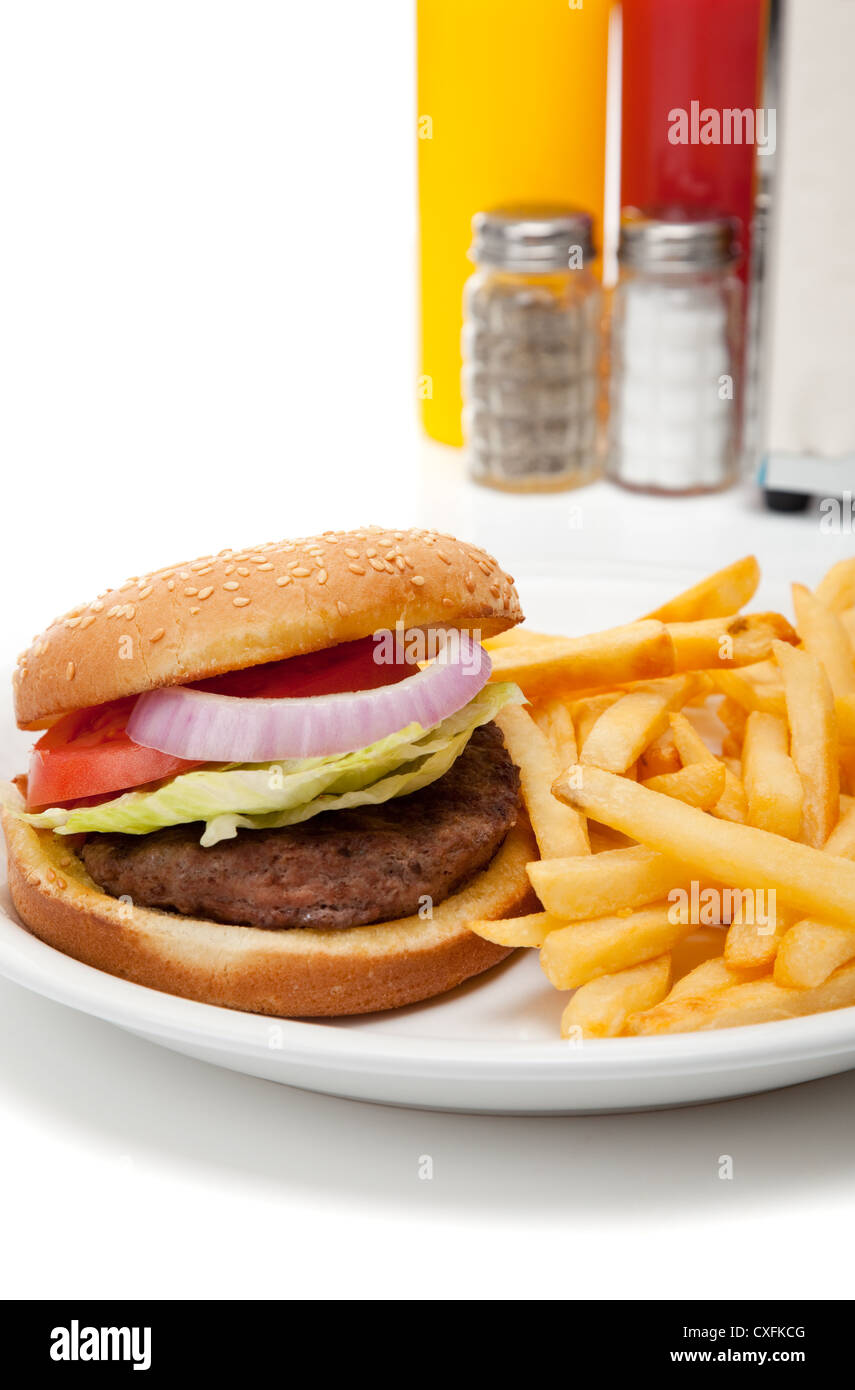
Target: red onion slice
x=203 y=727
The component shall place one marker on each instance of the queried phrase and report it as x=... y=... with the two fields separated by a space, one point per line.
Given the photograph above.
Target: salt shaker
x=676 y=313
x=531 y=350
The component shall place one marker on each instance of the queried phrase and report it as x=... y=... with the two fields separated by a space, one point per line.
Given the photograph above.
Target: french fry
x=558 y=830
x=600 y=885
x=659 y=758
x=604 y=838
x=772 y=784
x=737 y=686
x=754 y=945
x=627 y=726
x=556 y=721
x=699 y=784
x=825 y=637
x=837 y=589
x=813 y=732
x=733 y=803
x=761 y=1001
x=810 y=951
x=587 y=711
x=517 y=931
x=518 y=637
x=844 y=708
x=600 y=1008
x=634 y=652
x=668 y=815
x=727 y=642
x=841 y=841
x=718 y=595
x=708 y=976
x=733 y=717
x=624 y=730
x=582 y=951
x=807 y=880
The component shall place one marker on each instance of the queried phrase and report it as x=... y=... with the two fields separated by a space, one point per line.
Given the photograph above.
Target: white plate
x=491 y=1045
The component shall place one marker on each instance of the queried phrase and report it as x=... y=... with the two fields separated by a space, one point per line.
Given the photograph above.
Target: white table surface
x=207 y=340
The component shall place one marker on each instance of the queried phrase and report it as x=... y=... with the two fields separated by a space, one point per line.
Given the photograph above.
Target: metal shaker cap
x=531 y=237
x=677 y=239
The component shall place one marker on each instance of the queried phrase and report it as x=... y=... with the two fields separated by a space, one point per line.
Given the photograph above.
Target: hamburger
x=270 y=779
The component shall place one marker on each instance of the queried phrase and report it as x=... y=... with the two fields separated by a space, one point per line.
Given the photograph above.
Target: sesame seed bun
x=285 y=973
x=241 y=608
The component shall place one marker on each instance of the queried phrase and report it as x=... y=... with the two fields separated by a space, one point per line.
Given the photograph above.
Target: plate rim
x=31 y=963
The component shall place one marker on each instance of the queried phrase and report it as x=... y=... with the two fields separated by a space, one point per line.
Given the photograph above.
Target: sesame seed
x=243 y=571
x=207 y=591
x=356 y=569
x=183 y=574
x=469 y=581
x=71 y=622
x=240 y=602
x=170 y=584
x=231 y=584
x=494 y=590
x=190 y=592
x=157 y=634
x=418 y=579
x=194 y=611
x=87 y=621
x=69 y=671
x=300 y=572
x=229 y=569
x=144 y=593
x=321 y=576
x=443 y=557
x=61 y=884
x=97 y=606
x=484 y=567
x=266 y=566
x=354 y=554
x=283 y=579
x=51 y=875
x=342 y=608
x=448 y=603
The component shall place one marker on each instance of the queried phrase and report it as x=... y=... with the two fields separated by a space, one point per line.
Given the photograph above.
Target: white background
x=208 y=339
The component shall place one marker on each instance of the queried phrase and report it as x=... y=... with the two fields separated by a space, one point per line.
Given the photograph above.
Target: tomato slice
x=88 y=754
x=348 y=666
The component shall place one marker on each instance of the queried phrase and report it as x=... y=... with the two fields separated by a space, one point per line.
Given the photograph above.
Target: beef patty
x=339 y=869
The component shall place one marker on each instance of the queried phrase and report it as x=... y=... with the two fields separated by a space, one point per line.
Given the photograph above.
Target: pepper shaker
x=531 y=350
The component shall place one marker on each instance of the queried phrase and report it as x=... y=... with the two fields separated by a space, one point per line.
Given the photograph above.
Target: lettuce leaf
x=260 y=796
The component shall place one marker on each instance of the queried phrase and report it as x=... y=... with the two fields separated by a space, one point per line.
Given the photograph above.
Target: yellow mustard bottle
x=511 y=109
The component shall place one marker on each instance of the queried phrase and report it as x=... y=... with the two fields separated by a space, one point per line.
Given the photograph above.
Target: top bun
x=241 y=608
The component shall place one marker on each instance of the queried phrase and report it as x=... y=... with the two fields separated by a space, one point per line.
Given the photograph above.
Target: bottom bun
x=293 y=973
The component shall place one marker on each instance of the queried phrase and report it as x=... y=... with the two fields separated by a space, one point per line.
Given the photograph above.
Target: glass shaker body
x=674 y=420
x=531 y=357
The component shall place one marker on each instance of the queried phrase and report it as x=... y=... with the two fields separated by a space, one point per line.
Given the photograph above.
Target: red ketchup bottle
x=700 y=57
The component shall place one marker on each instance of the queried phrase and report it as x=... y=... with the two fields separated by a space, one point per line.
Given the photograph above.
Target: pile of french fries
x=677 y=772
